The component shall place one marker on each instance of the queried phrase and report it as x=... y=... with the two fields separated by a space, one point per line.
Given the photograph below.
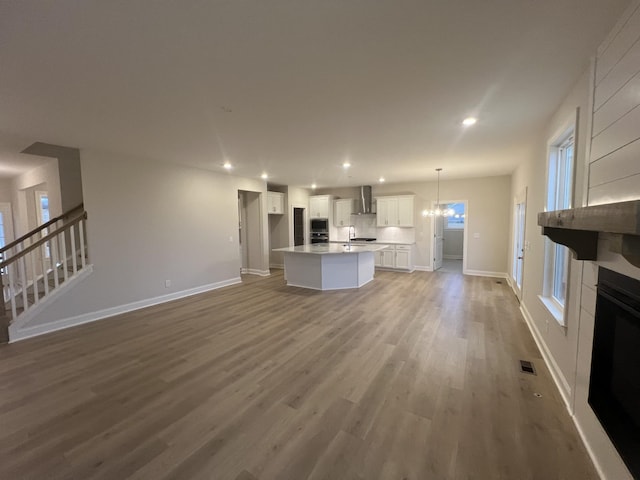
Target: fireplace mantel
x=578 y=229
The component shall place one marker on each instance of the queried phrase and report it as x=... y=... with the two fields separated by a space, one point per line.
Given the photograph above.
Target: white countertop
x=331 y=248
x=375 y=242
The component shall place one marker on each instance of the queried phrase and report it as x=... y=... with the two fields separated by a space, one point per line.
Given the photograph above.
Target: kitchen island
x=329 y=266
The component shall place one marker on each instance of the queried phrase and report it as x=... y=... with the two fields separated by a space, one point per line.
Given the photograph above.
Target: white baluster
x=74 y=260
x=23 y=274
x=64 y=255
x=82 y=253
x=45 y=270
x=34 y=271
x=54 y=260
x=12 y=289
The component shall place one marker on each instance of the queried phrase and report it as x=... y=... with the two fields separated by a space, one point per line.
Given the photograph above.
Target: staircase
x=39 y=265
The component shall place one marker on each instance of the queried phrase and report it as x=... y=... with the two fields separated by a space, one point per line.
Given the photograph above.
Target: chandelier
x=439 y=211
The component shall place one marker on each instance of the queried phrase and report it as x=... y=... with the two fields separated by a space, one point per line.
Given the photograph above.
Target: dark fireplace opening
x=614 y=387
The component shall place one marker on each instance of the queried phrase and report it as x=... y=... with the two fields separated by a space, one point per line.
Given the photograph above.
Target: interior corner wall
x=6 y=195
x=561 y=342
x=45 y=174
x=149 y=222
x=487 y=218
x=566 y=349
x=70 y=180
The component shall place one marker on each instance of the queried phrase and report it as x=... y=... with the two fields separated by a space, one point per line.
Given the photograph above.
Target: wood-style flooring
x=413 y=376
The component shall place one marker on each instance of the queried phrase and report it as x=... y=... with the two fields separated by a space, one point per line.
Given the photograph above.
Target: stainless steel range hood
x=364 y=201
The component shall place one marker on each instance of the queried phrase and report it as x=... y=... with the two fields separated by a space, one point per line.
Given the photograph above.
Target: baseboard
x=423 y=268
x=589 y=448
x=277 y=266
x=253 y=271
x=561 y=382
x=14 y=327
x=452 y=257
x=22 y=334
x=483 y=273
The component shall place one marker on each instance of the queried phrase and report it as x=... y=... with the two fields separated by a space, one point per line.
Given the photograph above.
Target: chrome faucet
x=354 y=233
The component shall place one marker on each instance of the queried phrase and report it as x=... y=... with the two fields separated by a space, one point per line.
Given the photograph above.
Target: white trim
x=21 y=334
x=255 y=271
x=278 y=266
x=561 y=382
x=587 y=445
x=554 y=308
x=45 y=301
x=422 y=268
x=452 y=257
x=483 y=273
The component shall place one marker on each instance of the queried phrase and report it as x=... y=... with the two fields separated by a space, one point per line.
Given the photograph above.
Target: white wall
x=607 y=171
x=6 y=195
x=453 y=243
x=151 y=222
x=487 y=216
x=46 y=174
x=614 y=168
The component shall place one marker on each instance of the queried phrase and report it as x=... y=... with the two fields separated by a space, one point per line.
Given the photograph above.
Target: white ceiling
x=295 y=87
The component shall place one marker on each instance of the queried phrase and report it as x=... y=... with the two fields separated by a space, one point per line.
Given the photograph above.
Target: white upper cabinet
x=343 y=210
x=275 y=203
x=405 y=211
x=395 y=211
x=319 y=206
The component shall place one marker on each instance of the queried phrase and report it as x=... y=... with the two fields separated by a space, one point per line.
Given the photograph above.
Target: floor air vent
x=527 y=367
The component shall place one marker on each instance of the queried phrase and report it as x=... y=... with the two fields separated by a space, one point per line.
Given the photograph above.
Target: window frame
x=560 y=191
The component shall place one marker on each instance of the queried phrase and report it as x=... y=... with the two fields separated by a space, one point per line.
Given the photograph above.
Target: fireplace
x=614 y=388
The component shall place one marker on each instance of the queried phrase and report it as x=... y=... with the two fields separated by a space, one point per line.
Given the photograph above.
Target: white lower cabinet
x=403 y=257
x=397 y=257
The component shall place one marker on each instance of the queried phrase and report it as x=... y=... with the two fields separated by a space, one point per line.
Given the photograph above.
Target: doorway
x=450 y=239
x=519 y=225
x=298 y=226
x=250 y=235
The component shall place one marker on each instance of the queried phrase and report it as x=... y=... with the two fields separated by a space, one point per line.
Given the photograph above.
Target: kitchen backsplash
x=365 y=226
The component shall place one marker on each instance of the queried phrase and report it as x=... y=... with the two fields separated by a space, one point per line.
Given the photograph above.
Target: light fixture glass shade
x=440 y=210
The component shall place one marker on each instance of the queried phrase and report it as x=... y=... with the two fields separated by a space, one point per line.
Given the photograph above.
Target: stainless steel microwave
x=319 y=225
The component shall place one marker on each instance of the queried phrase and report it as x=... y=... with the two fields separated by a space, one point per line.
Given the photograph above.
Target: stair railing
x=34 y=271
x=28 y=238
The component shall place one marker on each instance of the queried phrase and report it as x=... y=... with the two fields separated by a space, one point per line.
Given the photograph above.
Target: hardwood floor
x=414 y=376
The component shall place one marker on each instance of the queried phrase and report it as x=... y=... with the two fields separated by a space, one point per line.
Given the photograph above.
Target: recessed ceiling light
x=346 y=164
x=467 y=122
x=381 y=180
x=313 y=185
x=264 y=176
x=227 y=165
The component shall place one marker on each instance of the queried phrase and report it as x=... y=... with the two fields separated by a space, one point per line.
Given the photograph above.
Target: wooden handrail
x=38 y=229
x=43 y=240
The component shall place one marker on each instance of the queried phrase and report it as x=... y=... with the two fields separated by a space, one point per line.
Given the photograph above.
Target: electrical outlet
x=167 y=283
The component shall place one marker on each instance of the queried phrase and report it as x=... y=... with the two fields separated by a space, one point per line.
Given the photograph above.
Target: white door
x=520 y=211
x=438 y=241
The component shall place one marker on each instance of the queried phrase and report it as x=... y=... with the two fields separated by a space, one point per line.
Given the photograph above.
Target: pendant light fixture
x=438 y=211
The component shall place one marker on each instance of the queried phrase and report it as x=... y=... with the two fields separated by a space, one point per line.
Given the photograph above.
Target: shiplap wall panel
x=624 y=131
x=619 y=105
x=618 y=46
x=618 y=77
x=618 y=191
x=620 y=164
x=614 y=160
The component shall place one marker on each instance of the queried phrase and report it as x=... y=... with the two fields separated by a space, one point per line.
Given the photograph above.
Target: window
x=559 y=195
x=457 y=219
